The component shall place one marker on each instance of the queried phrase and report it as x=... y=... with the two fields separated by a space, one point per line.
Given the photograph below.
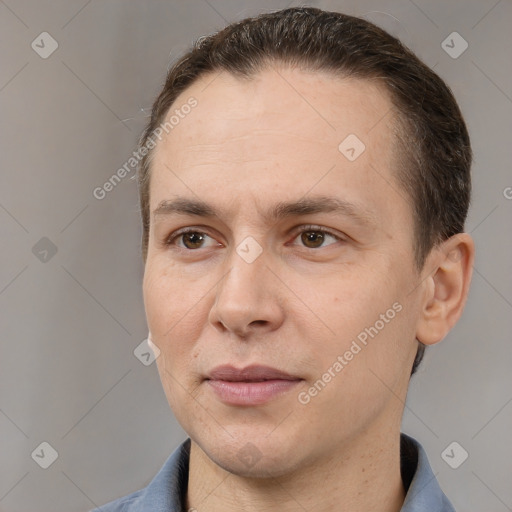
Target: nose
x=248 y=298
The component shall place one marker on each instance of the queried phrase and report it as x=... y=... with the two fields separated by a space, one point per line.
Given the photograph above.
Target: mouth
x=253 y=373
x=253 y=385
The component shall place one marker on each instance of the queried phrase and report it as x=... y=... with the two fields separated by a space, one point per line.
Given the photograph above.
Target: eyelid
x=169 y=240
x=314 y=227
x=338 y=239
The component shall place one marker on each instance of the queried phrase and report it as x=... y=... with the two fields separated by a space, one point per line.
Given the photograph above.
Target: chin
x=249 y=462
x=251 y=454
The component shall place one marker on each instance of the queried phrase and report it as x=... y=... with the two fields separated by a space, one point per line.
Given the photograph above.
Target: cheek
x=169 y=316
x=169 y=299
x=366 y=363
x=172 y=319
x=158 y=293
x=367 y=318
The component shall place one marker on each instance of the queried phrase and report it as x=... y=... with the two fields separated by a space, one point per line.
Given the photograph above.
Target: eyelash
x=169 y=241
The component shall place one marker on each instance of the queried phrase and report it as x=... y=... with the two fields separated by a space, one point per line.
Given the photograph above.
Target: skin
x=247 y=145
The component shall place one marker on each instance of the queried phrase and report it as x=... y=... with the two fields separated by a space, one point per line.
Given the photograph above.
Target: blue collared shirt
x=167 y=491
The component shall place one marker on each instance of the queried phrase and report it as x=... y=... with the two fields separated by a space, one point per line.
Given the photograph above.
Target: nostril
x=259 y=322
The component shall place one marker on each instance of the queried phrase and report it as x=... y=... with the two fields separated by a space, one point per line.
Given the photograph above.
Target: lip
x=252 y=385
x=254 y=372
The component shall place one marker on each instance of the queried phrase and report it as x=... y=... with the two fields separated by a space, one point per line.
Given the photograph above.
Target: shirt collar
x=167 y=491
x=424 y=492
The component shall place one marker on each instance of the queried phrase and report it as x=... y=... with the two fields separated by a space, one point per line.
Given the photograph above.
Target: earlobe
x=445 y=287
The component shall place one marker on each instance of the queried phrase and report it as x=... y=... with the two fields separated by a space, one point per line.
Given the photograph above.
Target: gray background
x=70 y=321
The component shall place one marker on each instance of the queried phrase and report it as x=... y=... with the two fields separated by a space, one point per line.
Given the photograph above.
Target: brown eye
x=312 y=239
x=192 y=240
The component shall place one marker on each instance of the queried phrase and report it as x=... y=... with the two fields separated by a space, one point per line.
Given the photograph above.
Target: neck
x=363 y=475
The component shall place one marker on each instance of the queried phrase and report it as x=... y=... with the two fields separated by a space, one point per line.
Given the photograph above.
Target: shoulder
x=128 y=503
x=164 y=493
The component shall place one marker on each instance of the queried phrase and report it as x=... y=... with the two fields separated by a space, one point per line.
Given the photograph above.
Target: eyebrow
x=281 y=210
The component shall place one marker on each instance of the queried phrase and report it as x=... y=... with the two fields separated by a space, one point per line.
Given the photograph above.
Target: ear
x=446 y=279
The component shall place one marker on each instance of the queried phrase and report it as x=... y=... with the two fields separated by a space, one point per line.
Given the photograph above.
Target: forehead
x=314 y=105
x=280 y=133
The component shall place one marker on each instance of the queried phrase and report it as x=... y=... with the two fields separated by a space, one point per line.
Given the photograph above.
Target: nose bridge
x=246 y=295
x=245 y=281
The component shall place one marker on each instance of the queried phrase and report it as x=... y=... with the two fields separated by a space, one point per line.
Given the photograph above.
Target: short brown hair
x=432 y=138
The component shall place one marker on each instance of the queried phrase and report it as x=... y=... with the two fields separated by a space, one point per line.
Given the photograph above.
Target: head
x=301 y=118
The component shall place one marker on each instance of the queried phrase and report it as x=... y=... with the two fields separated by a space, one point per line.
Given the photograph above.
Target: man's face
x=306 y=302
